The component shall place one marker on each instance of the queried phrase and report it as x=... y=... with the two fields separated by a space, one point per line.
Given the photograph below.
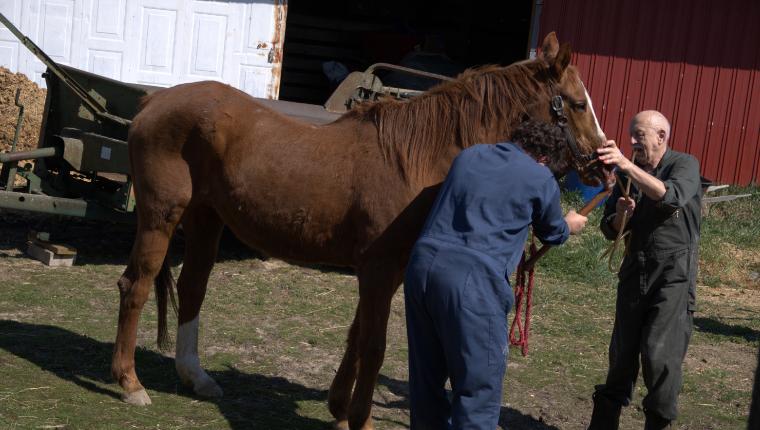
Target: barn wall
x=697 y=61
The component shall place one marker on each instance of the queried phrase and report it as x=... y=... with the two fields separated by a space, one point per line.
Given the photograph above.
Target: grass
x=272 y=335
x=729 y=247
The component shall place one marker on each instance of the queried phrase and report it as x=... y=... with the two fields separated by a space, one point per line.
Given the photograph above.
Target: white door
x=155 y=42
x=9 y=45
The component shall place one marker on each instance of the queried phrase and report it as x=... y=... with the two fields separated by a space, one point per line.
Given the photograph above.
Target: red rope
x=523 y=295
x=524 y=282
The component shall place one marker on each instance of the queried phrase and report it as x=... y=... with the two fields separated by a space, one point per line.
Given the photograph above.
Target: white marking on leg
x=596 y=121
x=189 y=365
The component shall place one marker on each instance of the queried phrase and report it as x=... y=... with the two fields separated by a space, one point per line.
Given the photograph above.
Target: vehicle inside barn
x=326 y=40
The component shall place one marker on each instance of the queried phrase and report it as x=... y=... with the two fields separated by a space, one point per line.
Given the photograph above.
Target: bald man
x=657 y=279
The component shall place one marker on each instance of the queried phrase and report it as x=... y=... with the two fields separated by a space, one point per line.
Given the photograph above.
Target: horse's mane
x=480 y=106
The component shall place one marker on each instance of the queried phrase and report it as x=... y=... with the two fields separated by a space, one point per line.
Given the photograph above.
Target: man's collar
x=516 y=145
x=665 y=157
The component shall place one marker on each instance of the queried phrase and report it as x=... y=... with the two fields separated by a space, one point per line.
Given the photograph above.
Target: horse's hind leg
x=377 y=284
x=145 y=263
x=202 y=228
x=343 y=383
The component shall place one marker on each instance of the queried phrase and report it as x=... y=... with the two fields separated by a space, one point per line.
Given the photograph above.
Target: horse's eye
x=580 y=106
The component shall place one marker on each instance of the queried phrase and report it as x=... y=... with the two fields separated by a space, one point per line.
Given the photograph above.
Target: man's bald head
x=650 y=131
x=653 y=119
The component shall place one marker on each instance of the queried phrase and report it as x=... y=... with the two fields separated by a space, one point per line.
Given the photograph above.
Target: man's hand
x=575 y=221
x=610 y=155
x=625 y=206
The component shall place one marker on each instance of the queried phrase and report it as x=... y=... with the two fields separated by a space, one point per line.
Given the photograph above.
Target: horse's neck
x=487 y=132
x=425 y=137
x=441 y=167
x=472 y=122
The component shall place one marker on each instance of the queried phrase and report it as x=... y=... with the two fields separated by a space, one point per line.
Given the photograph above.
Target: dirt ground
x=276 y=362
x=33 y=99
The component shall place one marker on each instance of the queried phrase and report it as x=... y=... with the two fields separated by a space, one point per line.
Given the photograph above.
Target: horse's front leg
x=203 y=229
x=377 y=284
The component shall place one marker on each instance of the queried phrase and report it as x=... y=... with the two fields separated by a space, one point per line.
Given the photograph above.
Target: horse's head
x=485 y=105
x=566 y=103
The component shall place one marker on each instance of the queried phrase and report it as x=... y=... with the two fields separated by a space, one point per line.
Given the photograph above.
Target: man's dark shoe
x=656 y=422
x=606 y=415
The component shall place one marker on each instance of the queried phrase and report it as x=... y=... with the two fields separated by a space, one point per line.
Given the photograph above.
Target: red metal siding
x=696 y=61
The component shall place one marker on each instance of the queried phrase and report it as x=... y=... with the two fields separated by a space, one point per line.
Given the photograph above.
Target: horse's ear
x=562 y=60
x=549 y=48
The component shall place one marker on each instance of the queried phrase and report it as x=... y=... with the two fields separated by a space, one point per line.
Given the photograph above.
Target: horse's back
x=197 y=121
x=208 y=144
x=187 y=106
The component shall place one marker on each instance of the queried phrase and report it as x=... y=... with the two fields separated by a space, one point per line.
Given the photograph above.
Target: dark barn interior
x=327 y=39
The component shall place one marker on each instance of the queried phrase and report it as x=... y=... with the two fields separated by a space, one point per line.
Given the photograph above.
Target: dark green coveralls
x=657 y=289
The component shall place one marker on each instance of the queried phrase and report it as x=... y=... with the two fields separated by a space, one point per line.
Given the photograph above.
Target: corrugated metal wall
x=696 y=61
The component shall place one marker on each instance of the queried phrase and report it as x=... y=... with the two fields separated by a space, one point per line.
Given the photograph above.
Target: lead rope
x=524 y=283
x=523 y=292
x=622 y=235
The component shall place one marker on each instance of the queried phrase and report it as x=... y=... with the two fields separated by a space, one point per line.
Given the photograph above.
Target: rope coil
x=523 y=295
x=622 y=235
x=524 y=283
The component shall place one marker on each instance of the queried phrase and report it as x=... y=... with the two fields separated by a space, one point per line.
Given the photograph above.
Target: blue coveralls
x=456 y=288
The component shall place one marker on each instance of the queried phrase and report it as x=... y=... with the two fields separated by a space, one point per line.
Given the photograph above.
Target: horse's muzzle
x=596 y=173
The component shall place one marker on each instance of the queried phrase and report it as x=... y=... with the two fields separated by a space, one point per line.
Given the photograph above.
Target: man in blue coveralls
x=456 y=286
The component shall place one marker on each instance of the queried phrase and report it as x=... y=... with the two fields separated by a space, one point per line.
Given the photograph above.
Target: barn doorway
x=325 y=40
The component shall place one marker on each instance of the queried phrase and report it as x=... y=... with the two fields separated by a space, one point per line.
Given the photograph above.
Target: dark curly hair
x=540 y=139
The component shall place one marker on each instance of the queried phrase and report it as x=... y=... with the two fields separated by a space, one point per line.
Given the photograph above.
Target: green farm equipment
x=81 y=166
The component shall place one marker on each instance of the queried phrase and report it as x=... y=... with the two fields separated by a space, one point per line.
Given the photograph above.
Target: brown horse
x=352 y=193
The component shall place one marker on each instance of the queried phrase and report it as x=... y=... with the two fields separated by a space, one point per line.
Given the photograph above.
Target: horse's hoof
x=367 y=426
x=340 y=425
x=137 y=398
x=209 y=389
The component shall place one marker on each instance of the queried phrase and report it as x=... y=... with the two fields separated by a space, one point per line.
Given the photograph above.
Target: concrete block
x=49 y=257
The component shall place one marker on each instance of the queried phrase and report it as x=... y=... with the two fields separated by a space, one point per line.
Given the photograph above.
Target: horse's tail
x=164 y=285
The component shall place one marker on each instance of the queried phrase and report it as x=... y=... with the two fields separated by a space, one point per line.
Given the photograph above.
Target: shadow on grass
x=100 y=242
x=738 y=332
x=509 y=418
x=250 y=400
